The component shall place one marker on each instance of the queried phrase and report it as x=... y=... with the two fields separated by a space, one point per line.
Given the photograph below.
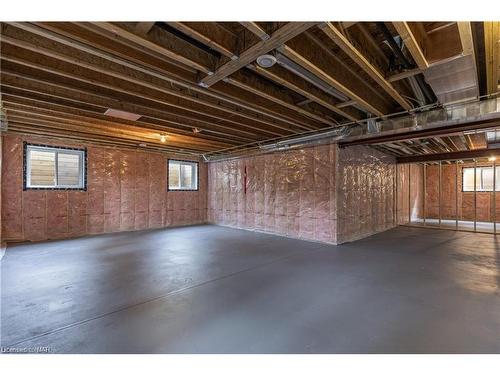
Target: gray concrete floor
x=209 y=289
x=481 y=226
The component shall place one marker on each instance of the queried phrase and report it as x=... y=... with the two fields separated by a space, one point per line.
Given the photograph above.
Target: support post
x=494 y=197
x=475 y=195
x=409 y=193
x=397 y=195
x=439 y=202
x=425 y=191
x=456 y=194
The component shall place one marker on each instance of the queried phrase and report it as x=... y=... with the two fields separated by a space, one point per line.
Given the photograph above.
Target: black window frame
x=25 y=167
x=197 y=174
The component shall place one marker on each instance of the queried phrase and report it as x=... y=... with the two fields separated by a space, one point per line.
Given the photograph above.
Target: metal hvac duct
x=396 y=49
x=454 y=80
x=3 y=120
x=330 y=136
x=476 y=111
x=288 y=64
x=450 y=115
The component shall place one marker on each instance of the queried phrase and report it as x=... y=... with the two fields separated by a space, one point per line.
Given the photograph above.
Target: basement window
x=484 y=179
x=58 y=168
x=182 y=175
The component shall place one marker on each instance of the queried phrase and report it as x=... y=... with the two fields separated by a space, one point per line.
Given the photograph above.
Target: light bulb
x=163 y=138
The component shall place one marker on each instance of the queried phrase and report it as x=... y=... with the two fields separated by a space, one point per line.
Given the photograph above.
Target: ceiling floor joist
x=334 y=34
x=280 y=36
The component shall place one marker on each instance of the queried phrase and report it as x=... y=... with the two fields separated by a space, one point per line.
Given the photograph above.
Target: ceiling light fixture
x=266 y=61
x=163 y=138
x=492 y=158
x=196 y=130
x=122 y=114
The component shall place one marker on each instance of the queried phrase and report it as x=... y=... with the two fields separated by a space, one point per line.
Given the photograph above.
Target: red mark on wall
x=245 y=180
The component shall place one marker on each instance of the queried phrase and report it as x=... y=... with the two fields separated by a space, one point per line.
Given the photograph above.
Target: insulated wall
x=318 y=193
x=290 y=193
x=410 y=193
x=480 y=207
x=365 y=192
x=2 y=245
x=126 y=190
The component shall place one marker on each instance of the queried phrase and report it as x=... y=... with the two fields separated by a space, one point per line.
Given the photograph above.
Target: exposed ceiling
x=457 y=145
x=198 y=83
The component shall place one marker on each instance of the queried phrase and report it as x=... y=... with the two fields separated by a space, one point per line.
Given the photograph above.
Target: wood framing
x=492 y=49
x=279 y=37
x=413 y=38
x=333 y=33
x=256 y=29
x=200 y=83
x=319 y=67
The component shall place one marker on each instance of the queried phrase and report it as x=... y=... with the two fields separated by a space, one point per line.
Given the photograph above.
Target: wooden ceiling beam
x=404 y=74
x=86 y=128
x=413 y=38
x=277 y=97
x=347 y=103
x=492 y=52
x=177 y=47
x=266 y=91
x=485 y=153
x=370 y=40
x=457 y=139
x=114 y=86
x=449 y=142
x=246 y=81
x=466 y=39
x=187 y=50
x=333 y=74
x=220 y=39
x=249 y=92
x=179 y=93
x=51 y=102
x=184 y=112
x=89 y=35
x=75 y=117
x=256 y=29
x=350 y=50
x=173 y=122
x=478 y=141
x=468 y=140
x=190 y=107
x=85 y=137
x=282 y=35
x=426 y=133
x=347 y=71
x=302 y=87
x=186 y=90
x=90 y=51
x=142 y=28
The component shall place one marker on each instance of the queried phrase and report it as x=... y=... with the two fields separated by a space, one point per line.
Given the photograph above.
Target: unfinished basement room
x=250 y=187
